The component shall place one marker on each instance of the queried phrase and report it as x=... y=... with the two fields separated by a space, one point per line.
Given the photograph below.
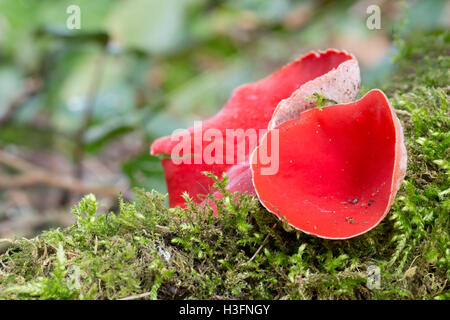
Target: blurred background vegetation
x=80 y=108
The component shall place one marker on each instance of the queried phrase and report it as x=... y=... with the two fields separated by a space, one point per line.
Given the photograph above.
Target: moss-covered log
x=153 y=252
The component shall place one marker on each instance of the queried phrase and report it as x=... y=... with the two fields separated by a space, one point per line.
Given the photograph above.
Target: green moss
x=246 y=253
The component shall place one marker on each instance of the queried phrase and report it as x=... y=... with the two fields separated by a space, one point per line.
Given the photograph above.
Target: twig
x=16 y=162
x=96 y=245
x=32 y=86
x=88 y=114
x=33 y=175
x=53 y=180
x=259 y=249
x=32 y=222
x=262 y=244
x=162 y=229
x=142 y=295
x=29 y=223
x=404 y=112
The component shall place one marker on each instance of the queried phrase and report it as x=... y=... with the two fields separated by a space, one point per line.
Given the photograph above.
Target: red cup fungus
x=340 y=168
x=250 y=107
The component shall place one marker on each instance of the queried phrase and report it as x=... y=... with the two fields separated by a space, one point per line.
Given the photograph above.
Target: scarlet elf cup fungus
x=340 y=168
x=250 y=108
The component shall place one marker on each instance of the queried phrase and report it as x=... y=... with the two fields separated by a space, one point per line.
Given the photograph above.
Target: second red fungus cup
x=339 y=168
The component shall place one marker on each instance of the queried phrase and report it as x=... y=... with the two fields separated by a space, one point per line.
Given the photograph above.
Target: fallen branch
x=34 y=175
x=16 y=162
x=29 y=224
x=52 y=180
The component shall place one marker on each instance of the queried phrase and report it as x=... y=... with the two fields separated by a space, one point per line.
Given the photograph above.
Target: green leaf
x=151 y=25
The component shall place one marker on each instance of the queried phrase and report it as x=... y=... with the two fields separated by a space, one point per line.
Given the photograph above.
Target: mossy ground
x=246 y=253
